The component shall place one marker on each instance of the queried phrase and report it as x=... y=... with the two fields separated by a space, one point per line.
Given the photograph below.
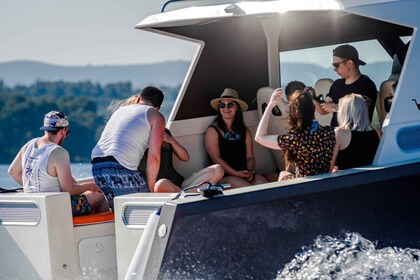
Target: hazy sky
x=81 y=32
x=100 y=32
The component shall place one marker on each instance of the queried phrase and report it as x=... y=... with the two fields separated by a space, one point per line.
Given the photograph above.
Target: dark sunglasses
x=222 y=105
x=67 y=132
x=337 y=64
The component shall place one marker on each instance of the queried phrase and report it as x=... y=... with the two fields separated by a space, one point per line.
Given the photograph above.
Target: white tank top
x=125 y=136
x=34 y=168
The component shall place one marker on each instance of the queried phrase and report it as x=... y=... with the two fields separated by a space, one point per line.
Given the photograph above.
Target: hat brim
x=47 y=128
x=241 y=103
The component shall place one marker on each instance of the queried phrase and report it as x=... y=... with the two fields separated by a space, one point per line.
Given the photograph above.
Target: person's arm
x=59 y=165
x=178 y=149
x=261 y=136
x=250 y=159
x=211 y=141
x=157 y=128
x=15 y=168
x=329 y=106
x=336 y=150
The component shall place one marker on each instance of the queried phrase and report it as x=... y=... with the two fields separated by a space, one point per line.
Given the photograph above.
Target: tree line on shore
x=85 y=103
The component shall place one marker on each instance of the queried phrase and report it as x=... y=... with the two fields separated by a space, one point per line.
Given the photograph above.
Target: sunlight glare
x=282 y=6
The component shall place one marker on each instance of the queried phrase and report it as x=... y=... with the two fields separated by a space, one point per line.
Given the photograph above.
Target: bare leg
x=97 y=200
x=164 y=185
x=235 y=182
x=258 y=179
x=212 y=174
x=271 y=177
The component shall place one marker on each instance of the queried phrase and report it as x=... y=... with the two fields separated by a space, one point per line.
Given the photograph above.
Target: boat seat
x=94 y=218
x=384 y=100
x=278 y=120
x=322 y=86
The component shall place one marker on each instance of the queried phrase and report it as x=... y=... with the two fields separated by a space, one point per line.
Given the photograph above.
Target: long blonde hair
x=353 y=113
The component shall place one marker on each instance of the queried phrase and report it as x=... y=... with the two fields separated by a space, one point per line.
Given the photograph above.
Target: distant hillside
x=168 y=74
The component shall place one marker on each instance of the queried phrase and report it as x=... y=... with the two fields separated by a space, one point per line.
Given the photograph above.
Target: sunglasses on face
x=223 y=105
x=337 y=64
x=67 y=131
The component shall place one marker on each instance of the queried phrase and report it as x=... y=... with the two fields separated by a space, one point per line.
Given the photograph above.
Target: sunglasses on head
x=337 y=64
x=223 y=105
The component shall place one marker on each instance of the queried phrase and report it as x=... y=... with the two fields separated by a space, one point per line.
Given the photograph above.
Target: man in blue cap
x=42 y=165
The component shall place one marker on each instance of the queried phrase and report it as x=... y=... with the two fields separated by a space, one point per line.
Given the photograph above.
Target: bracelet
x=252 y=171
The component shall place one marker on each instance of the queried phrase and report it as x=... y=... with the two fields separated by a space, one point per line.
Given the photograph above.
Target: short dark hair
x=152 y=95
x=293 y=86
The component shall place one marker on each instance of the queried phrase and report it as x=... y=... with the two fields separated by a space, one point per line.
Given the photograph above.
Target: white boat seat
x=384 y=100
x=322 y=86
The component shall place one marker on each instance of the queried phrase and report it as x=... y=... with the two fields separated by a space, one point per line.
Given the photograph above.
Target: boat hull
x=253 y=234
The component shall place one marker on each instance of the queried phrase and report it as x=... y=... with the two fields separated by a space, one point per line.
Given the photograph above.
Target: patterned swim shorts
x=80 y=205
x=114 y=180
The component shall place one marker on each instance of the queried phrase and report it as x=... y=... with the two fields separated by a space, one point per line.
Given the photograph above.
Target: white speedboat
x=239 y=233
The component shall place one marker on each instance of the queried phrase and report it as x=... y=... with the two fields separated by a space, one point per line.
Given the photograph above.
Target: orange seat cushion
x=93 y=218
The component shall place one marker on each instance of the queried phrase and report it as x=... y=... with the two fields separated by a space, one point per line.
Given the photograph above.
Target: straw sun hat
x=229 y=93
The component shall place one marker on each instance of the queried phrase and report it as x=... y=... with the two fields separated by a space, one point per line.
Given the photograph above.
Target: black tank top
x=166 y=169
x=361 y=150
x=232 y=151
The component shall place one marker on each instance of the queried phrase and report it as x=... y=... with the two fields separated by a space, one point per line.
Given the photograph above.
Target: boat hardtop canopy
x=239 y=43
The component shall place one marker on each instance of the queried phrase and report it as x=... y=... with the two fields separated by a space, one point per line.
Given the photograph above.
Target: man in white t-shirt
x=42 y=165
x=132 y=129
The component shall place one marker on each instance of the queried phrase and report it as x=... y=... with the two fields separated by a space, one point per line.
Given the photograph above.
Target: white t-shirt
x=125 y=136
x=34 y=168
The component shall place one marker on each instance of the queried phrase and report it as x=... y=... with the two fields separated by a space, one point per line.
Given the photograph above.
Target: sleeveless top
x=232 y=150
x=166 y=170
x=361 y=150
x=311 y=149
x=125 y=136
x=34 y=167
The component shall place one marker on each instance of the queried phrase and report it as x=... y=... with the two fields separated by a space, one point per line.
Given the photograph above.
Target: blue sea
x=78 y=170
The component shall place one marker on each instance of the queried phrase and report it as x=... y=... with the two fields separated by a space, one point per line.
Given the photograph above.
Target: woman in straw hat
x=229 y=142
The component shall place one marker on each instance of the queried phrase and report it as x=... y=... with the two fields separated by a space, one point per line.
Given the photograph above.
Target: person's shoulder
x=155 y=114
x=366 y=79
x=341 y=133
x=59 y=154
x=212 y=126
x=338 y=82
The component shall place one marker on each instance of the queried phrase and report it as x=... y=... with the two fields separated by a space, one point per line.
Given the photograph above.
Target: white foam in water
x=352 y=257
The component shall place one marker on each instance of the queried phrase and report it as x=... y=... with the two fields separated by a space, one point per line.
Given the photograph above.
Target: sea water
x=352 y=257
x=78 y=170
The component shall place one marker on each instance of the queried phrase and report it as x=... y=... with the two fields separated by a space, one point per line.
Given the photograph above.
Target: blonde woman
x=356 y=140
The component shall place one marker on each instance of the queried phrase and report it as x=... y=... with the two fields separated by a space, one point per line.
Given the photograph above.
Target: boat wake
x=352 y=257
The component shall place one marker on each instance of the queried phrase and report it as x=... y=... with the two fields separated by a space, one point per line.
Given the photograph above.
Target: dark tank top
x=232 y=151
x=166 y=170
x=361 y=150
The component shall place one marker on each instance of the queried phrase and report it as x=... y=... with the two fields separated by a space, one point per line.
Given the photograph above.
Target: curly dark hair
x=301 y=110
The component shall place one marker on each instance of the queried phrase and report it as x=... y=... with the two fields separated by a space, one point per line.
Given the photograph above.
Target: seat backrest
x=322 y=86
x=384 y=100
x=278 y=120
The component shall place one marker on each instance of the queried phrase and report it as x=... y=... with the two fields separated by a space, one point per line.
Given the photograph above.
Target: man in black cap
x=346 y=63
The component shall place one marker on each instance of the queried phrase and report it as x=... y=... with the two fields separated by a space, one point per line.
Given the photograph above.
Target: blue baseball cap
x=55 y=120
